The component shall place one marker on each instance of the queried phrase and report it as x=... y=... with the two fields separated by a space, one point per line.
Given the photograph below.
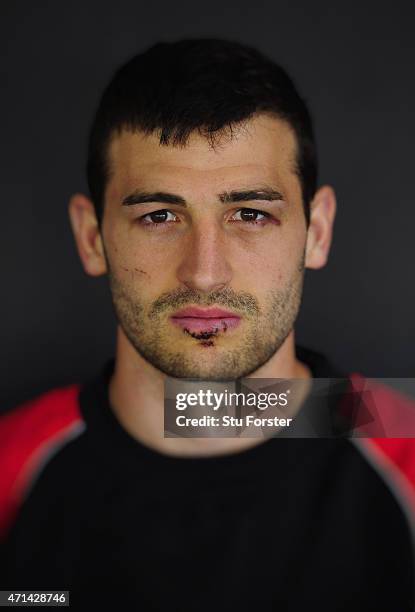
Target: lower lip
x=200 y=325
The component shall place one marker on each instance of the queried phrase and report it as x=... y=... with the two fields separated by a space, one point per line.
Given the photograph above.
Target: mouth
x=205 y=321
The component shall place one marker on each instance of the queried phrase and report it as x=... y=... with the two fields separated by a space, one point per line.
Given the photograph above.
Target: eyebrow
x=226 y=197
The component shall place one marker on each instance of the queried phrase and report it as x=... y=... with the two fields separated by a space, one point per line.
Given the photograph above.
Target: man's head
x=202 y=172
x=205 y=86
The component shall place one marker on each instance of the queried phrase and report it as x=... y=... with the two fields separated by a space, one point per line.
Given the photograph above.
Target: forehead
x=260 y=150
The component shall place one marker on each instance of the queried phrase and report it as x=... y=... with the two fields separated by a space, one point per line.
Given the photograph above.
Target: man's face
x=188 y=230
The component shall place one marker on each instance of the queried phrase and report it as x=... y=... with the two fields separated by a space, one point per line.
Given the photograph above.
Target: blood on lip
x=206 y=325
x=203 y=323
x=205 y=335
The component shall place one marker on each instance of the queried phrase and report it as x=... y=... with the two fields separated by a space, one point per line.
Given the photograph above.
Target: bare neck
x=136 y=394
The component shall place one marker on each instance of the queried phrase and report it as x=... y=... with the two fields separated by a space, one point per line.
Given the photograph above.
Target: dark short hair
x=207 y=85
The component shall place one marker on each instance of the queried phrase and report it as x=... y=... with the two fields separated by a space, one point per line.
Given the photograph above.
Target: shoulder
x=39 y=419
x=384 y=432
x=28 y=434
x=381 y=411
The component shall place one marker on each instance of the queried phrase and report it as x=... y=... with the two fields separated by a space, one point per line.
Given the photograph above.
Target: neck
x=136 y=394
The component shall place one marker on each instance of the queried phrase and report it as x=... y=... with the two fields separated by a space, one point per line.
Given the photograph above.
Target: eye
x=158 y=217
x=250 y=215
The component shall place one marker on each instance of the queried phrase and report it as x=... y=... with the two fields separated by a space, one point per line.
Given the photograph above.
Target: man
x=204 y=213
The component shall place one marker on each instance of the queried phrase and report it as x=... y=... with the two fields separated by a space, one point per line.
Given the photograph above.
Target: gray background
x=353 y=62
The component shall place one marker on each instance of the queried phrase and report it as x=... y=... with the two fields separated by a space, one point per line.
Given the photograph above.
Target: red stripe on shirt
x=390 y=436
x=27 y=433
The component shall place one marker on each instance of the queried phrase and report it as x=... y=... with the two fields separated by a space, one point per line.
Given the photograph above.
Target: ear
x=320 y=230
x=87 y=234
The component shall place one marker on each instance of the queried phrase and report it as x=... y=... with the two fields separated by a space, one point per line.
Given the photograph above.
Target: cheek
x=257 y=270
x=271 y=264
x=266 y=257
x=130 y=262
x=143 y=265
x=133 y=267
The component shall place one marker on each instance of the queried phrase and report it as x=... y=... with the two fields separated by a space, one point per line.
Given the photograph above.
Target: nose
x=204 y=266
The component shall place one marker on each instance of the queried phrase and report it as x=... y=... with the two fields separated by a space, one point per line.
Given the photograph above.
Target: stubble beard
x=262 y=332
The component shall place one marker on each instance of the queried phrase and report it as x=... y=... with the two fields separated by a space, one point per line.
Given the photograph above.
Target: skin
x=202 y=254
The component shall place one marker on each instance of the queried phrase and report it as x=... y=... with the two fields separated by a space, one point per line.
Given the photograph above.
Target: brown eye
x=158 y=217
x=250 y=215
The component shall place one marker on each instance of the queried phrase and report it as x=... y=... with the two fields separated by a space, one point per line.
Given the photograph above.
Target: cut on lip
x=206 y=324
x=210 y=313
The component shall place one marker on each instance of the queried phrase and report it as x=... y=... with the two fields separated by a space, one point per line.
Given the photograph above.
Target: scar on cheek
x=136 y=270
